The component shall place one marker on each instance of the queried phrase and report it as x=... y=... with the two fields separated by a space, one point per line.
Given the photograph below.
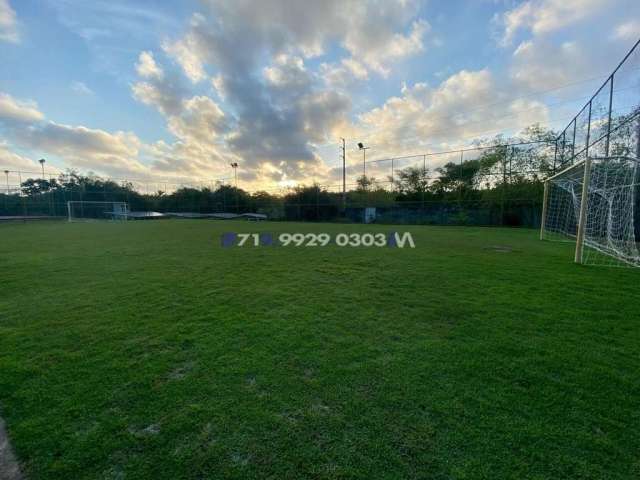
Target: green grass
x=145 y=350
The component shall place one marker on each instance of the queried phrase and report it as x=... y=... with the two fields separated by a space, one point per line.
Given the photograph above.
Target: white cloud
x=628 y=31
x=77 y=145
x=8 y=23
x=165 y=94
x=344 y=73
x=147 y=66
x=458 y=110
x=85 y=148
x=81 y=88
x=539 y=64
x=257 y=51
x=201 y=121
x=543 y=16
x=14 y=111
x=379 y=53
x=188 y=51
x=12 y=161
x=287 y=71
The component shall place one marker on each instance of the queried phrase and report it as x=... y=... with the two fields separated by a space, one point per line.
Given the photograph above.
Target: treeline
x=500 y=186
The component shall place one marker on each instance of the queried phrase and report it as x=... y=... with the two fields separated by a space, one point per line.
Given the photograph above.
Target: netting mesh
x=610 y=234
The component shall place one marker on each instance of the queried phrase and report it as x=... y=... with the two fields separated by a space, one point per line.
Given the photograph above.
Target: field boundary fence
x=480 y=185
x=609 y=123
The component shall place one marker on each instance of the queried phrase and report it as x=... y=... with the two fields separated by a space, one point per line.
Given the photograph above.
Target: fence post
x=24 y=203
x=586 y=151
x=607 y=140
x=424 y=175
x=461 y=178
x=504 y=186
x=638 y=137
x=392 y=185
x=573 y=143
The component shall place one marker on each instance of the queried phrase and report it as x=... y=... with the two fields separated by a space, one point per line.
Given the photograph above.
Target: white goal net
x=83 y=211
x=595 y=203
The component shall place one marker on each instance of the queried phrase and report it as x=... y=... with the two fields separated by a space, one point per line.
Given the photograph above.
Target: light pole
x=364 y=164
x=6 y=198
x=344 y=174
x=364 y=158
x=42 y=160
x=234 y=165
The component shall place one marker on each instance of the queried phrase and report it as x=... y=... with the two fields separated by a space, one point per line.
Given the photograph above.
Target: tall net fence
x=497 y=184
x=609 y=124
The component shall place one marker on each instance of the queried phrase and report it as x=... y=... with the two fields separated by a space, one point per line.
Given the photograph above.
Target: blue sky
x=177 y=90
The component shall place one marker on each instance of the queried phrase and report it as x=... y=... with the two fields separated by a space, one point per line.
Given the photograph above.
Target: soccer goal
x=595 y=203
x=83 y=211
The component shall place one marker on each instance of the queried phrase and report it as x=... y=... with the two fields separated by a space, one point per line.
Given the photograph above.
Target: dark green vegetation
x=496 y=184
x=145 y=350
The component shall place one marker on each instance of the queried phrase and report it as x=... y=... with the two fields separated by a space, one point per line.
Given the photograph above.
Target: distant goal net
x=595 y=203
x=87 y=211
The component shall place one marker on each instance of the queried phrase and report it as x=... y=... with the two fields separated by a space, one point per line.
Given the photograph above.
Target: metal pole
x=24 y=204
x=235 y=172
x=573 y=144
x=344 y=174
x=392 y=173
x=364 y=162
x=586 y=152
x=638 y=137
x=6 y=198
x=424 y=174
x=504 y=187
x=607 y=140
x=461 y=178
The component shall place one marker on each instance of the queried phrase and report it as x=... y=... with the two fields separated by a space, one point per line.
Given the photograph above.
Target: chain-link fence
x=483 y=185
x=609 y=124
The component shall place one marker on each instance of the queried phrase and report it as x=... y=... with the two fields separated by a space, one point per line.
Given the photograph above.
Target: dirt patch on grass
x=499 y=248
x=9 y=468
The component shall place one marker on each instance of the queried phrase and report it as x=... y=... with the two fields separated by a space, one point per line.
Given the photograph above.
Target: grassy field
x=145 y=350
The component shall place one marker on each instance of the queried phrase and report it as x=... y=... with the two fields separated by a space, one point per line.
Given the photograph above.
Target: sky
x=176 y=91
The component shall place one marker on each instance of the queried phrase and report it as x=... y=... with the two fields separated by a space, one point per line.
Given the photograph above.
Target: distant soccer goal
x=595 y=203
x=84 y=211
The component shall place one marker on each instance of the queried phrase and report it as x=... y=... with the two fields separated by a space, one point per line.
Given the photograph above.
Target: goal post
x=87 y=211
x=582 y=218
x=545 y=200
x=595 y=203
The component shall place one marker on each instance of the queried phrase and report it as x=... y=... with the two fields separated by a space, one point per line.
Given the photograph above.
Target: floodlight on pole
x=6 y=174
x=364 y=158
x=344 y=174
x=234 y=165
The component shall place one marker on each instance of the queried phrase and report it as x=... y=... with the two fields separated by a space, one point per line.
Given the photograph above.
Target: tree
x=364 y=183
x=411 y=181
x=37 y=186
